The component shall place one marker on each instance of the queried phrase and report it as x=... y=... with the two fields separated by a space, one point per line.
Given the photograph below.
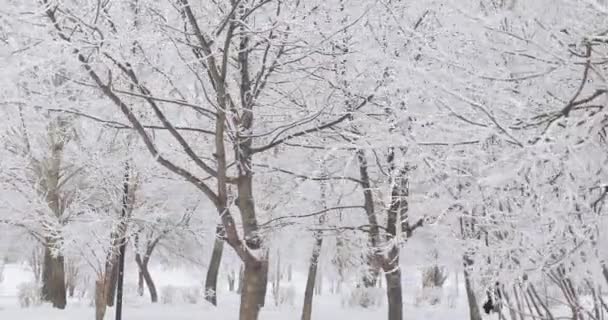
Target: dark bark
x=394 y=294
x=239 y=289
x=253 y=290
x=100 y=299
x=53 y=279
x=71 y=289
x=312 y=275
x=140 y=283
x=474 y=313
x=146 y=276
x=214 y=266
x=369 y=279
x=111 y=279
x=122 y=249
x=231 y=281
x=255 y=282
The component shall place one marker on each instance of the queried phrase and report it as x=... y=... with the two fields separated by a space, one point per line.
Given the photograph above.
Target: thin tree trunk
x=543 y=304
x=474 y=313
x=53 y=279
x=71 y=289
x=312 y=277
x=231 y=280
x=140 y=283
x=276 y=281
x=254 y=289
x=512 y=310
x=520 y=304
x=214 y=266
x=147 y=277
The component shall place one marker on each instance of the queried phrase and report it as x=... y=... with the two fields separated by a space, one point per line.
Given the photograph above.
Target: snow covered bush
x=190 y=295
x=168 y=294
x=363 y=297
x=286 y=295
x=28 y=294
x=174 y=295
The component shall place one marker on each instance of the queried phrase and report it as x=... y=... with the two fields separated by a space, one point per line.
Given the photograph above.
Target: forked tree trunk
x=100 y=299
x=312 y=277
x=474 y=313
x=214 y=266
x=53 y=279
x=147 y=277
x=253 y=292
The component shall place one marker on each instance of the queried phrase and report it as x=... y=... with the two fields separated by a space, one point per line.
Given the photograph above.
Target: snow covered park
x=304 y=159
x=328 y=305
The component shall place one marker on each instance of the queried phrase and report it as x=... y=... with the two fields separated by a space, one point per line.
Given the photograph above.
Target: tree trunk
x=239 y=289
x=276 y=280
x=290 y=273
x=110 y=282
x=100 y=299
x=214 y=267
x=71 y=289
x=140 y=284
x=394 y=293
x=53 y=279
x=231 y=280
x=519 y=303
x=253 y=291
x=147 y=277
x=474 y=313
x=319 y=283
x=312 y=276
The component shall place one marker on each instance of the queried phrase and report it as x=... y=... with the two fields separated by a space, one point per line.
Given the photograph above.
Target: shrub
x=29 y=294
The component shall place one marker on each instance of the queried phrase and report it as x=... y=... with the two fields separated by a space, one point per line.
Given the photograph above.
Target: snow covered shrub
x=168 y=294
x=432 y=295
x=173 y=295
x=452 y=298
x=28 y=294
x=433 y=279
x=129 y=292
x=190 y=295
x=286 y=295
x=363 y=297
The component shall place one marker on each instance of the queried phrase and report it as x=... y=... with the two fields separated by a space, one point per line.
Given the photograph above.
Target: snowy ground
x=326 y=307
